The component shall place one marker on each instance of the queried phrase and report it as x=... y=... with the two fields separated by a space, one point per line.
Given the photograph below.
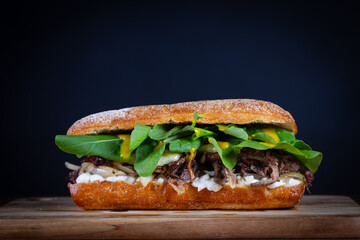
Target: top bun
x=236 y=111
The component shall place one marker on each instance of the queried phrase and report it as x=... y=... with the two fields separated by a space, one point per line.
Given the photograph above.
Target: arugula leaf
x=312 y=159
x=106 y=146
x=289 y=137
x=162 y=131
x=285 y=136
x=260 y=135
x=250 y=144
x=228 y=155
x=138 y=135
x=183 y=145
x=196 y=117
x=148 y=155
x=201 y=132
x=185 y=131
x=301 y=145
x=234 y=131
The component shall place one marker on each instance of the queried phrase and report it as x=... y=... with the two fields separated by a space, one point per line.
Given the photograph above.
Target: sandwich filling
x=209 y=156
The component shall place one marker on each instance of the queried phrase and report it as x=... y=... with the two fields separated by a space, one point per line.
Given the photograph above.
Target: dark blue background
x=65 y=60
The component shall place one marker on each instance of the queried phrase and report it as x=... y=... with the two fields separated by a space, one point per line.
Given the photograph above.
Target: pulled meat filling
x=269 y=163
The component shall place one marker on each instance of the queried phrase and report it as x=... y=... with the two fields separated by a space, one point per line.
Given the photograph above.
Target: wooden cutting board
x=315 y=217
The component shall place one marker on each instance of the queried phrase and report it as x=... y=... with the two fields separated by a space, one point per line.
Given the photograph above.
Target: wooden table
x=315 y=217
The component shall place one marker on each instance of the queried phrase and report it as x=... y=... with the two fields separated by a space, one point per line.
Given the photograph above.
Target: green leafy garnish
x=234 y=131
x=183 y=145
x=228 y=155
x=250 y=144
x=257 y=134
x=148 y=155
x=285 y=136
x=200 y=132
x=106 y=146
x=149 y=143
x=183 y=132
x=138 y=135
x=301 y=145
x=162 y=131
x=196 y=117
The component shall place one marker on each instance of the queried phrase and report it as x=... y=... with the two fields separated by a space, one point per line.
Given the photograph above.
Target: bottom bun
x=121 y=195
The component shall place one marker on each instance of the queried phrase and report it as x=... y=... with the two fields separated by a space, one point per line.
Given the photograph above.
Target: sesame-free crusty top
x=236 y=111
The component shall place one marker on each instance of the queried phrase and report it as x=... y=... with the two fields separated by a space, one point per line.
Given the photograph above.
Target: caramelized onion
x=86 y=167
x=126 y=169
x=292 y=175
x=105 y=171
x=72 y=166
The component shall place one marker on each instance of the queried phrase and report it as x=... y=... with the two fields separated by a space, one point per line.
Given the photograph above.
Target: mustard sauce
x=223 y=127
x=197 y=132
x=125 y=146
x=192 y=153
x=271 y=132
x=159 y=145
x=267 y=144
x=222 y=145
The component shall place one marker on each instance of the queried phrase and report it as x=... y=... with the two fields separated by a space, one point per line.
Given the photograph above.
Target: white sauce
x=293 y=182
x=160 y=180
x=277 y=184
x=207 y=182
x=290 y=182
x=247 y=180
x=86 y=177
x=96 y=177
x=83 y=178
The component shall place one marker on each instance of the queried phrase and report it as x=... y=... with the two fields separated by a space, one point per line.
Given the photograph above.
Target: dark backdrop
x=65 y=60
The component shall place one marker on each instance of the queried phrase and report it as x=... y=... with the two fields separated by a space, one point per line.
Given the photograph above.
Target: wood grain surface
x=59 y=218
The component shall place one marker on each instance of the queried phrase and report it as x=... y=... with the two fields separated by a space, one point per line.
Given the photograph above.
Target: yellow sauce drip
x=193 y=121
x=223 y=145
x=267 y=144
x=159 y=145
x=271 y=132
x=125 y=146
x=192 y=153
x=197 y=131
x=223 y=127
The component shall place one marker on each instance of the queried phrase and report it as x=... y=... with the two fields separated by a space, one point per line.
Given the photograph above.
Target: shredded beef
x=97 y=161
x=309 y=177
x=190 y=164
x=73 y=176
x=184 y=169
x=175 y=168
x=216 y=163
x=161 y=169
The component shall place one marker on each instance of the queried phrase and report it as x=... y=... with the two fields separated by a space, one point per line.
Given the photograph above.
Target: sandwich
x=216 y=154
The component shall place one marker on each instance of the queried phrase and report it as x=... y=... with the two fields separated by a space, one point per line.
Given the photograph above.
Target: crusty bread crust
x=236 y=111
x=121 y=195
